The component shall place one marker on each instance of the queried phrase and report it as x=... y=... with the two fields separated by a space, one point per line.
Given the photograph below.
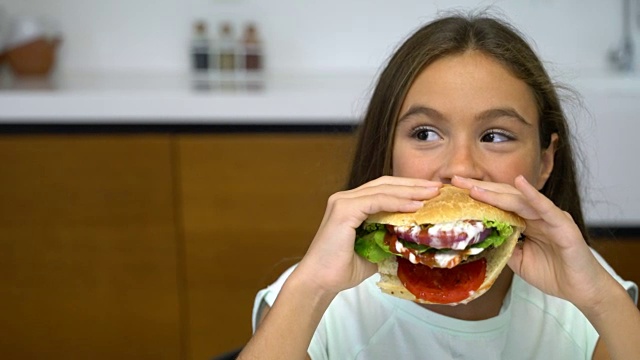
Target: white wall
x=307 y=36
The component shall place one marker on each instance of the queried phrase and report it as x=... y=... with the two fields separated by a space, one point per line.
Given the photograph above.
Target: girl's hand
x=554 y=256
x=331 y=262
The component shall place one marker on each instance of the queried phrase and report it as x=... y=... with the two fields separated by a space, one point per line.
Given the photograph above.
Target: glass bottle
x=252 y=49
x=227 y=48
x=200 y=48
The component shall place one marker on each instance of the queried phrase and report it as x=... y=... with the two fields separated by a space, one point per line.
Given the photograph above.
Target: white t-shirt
x=364 y=323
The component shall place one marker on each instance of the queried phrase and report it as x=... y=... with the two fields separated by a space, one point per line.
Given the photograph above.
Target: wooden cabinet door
x=621 y=254
x=251 y=204
x=88 y=248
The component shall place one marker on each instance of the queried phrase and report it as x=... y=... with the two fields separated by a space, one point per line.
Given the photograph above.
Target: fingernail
x=523 y=179
x=479 y=189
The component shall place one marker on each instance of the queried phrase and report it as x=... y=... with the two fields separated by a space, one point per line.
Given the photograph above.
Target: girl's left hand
x=554 y=256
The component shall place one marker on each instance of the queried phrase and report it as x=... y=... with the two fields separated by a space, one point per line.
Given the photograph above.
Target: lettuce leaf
x=373 y=227
x=499 y=233
x=420 y=248
x=371 y=246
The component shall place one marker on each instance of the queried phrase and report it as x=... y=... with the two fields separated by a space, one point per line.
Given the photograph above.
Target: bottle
x=227 y=49
x=200 y=48
x=252 y=49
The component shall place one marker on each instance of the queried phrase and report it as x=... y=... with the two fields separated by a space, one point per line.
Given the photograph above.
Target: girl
x=463 y=101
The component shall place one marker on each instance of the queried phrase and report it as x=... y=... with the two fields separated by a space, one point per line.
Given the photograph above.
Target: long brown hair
x=452 y=35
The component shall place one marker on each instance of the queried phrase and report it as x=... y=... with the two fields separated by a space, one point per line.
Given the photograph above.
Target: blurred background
x=164 y=160
x=356 y=35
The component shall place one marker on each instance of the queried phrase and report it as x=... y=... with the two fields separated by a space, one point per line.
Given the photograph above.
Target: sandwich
x=450 y=251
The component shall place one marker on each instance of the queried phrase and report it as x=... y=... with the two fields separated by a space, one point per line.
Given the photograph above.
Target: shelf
x=163 y=98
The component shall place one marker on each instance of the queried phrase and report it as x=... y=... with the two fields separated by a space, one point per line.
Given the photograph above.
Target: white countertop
x=121 y=98
x=163 y=99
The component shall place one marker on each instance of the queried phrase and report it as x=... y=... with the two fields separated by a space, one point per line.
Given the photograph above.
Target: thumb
x=515 y=262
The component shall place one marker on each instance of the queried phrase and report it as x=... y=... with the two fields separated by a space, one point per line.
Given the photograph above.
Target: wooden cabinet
x=250 y=205
x=154 y=246
x=622 y=254
x=88 y=264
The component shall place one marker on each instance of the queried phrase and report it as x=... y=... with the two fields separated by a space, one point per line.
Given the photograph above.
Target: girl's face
x=467 y=115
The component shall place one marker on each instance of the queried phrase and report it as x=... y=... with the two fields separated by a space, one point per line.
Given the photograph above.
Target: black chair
x=229 y=355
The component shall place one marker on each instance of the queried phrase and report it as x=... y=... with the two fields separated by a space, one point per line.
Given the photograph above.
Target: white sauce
x=445 y=258
x=413 y=258
x=455 y=228
x=450 y=258
x=400 y=248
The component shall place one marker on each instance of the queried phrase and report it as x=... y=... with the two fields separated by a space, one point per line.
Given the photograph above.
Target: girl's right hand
x=331 y=263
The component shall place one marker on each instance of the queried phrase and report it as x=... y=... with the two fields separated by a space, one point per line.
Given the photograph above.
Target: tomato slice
x=442 y=286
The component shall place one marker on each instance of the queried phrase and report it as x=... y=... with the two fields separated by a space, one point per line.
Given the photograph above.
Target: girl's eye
x=425 y=134
x=496 y=136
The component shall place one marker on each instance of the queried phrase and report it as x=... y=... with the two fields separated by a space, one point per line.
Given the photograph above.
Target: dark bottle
x=200 y=48
x=252 y=49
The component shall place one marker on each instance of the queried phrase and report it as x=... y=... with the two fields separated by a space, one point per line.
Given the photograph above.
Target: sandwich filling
x=456 y=235
x=438 y=263
x=436 y=245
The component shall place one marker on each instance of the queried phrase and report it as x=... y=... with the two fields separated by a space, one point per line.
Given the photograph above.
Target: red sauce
x=442 y=286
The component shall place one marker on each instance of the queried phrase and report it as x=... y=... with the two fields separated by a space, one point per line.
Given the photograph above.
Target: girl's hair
x=453 y=35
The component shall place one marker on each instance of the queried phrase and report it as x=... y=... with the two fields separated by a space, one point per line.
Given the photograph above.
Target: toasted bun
x=451 y=204
x=497 y=259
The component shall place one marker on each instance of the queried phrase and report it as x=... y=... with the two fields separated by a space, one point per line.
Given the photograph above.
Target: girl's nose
x=462 y=160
